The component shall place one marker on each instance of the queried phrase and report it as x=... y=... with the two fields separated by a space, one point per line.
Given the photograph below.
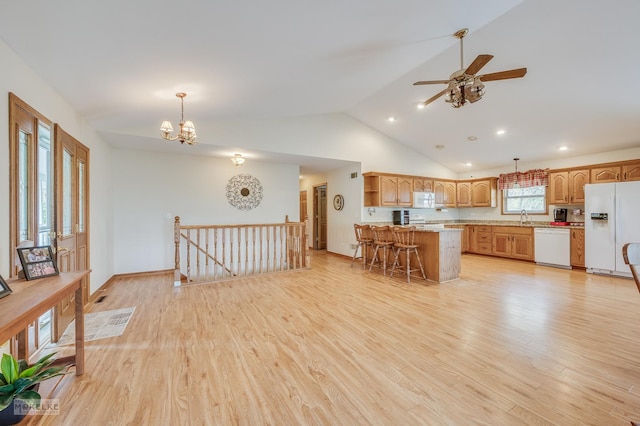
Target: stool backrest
x=631 y=254
x=382 y=234
x=363 y=232
x=404 y=234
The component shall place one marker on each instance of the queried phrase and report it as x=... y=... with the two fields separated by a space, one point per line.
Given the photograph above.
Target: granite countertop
x=574 y=225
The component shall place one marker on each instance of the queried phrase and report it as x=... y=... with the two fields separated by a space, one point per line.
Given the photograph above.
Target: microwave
x=424 y=200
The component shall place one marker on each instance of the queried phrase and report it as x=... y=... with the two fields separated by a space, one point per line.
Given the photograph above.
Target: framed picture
x=37 y=262
x=4 y=288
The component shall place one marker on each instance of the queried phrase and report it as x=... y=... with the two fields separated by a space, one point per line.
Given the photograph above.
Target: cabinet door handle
x=566 y=198
x=625 y=176
x=618 y=176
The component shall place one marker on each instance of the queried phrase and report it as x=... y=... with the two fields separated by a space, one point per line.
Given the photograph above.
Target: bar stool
x=364 y=238
x=382 y=238
x=403 y=242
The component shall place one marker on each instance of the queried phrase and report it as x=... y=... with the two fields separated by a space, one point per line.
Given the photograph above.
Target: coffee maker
x=559 y=215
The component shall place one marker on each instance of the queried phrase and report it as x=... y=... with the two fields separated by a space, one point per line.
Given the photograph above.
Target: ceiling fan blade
x=418 y=83
x=434 y=97
x=503 y=75
x=477 y=64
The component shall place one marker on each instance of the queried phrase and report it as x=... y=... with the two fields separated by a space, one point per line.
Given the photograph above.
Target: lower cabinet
x=479 y=239
x=504 y=241
x=577 y=248
x=513 y=242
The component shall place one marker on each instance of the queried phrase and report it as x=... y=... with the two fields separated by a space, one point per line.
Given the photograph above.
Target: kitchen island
x=439 y=252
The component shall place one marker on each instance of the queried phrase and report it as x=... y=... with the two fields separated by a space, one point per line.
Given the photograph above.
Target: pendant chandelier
x=187 y=132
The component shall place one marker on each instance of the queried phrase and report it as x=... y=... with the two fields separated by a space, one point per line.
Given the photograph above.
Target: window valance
x=535 y=177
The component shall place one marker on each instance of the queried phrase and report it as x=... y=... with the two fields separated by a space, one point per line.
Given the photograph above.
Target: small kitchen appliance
x=560 y=217
x=401 y=217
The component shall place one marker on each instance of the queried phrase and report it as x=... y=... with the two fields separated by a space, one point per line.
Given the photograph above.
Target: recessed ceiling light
x=440 y=146
x=421 y=105
x=391 y=119
x=500 y=132
x=472 y=138
x=563 y=148
x=468 y=164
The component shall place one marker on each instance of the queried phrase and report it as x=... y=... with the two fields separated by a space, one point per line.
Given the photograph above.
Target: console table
x=30 y=299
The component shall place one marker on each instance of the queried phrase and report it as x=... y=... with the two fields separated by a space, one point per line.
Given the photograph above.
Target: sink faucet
x=524 y=215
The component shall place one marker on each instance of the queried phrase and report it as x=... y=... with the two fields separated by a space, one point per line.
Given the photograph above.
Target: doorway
x=320 y=217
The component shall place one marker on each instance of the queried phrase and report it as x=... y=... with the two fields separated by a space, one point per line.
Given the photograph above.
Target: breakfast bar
x=439 y=250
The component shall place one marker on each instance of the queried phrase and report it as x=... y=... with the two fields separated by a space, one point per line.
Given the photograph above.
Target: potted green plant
x=19 y=381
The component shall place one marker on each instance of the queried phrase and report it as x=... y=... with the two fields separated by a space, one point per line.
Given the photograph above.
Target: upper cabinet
x=422 y=185
x=631 y=171
x=463 y=194
x=577 y=180
x=484 y=193
x=387 y=190
x=444 y=193
x=605 y=174
x=567 y=187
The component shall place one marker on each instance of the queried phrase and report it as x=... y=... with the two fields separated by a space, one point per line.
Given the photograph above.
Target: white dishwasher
x=553 y=247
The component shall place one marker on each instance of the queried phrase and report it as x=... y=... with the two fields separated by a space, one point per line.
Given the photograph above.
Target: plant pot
x=8 y=417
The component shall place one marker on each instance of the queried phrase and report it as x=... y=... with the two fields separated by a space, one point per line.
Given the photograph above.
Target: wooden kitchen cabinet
x=513 y=242
x=479 y=239
x=444 y=193
x=631 y=172
x=567 y=187
x=577 y=248
x=463 y=194
x=558 y=188
x=605 y=174
x=577 y=180
x=395 y=191
x=371 y=190
x=387 y=190
x=484 y=193
x=422 y=185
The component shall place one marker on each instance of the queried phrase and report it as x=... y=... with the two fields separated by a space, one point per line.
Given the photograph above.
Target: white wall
x=151 y=188
x=17 y=77
x=340 y=233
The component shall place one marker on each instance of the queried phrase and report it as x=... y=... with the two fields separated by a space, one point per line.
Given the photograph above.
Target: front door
x=72 y=242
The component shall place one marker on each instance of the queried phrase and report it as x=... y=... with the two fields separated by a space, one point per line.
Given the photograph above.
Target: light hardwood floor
x=509 y=343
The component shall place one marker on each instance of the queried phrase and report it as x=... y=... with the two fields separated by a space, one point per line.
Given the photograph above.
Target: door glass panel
x=45 y=185
x=67 y=193
x=24 y=204
x=81 y=196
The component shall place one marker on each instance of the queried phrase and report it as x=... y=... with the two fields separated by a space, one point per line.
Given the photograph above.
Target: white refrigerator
x=612 y=219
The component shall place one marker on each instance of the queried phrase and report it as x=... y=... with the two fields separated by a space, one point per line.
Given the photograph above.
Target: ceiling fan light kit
x=463 y=85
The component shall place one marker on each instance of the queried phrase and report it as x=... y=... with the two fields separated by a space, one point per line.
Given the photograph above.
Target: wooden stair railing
x=220 y=252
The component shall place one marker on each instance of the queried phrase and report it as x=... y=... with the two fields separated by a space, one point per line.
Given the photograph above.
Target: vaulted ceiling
x=119 y=64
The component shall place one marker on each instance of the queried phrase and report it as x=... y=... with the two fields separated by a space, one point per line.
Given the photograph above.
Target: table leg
x=79 y=317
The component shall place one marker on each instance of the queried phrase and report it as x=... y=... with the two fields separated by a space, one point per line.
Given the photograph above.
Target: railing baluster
x=238 y=250
x=189 y=257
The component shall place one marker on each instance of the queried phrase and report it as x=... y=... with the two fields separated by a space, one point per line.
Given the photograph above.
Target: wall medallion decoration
x=244 y=192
